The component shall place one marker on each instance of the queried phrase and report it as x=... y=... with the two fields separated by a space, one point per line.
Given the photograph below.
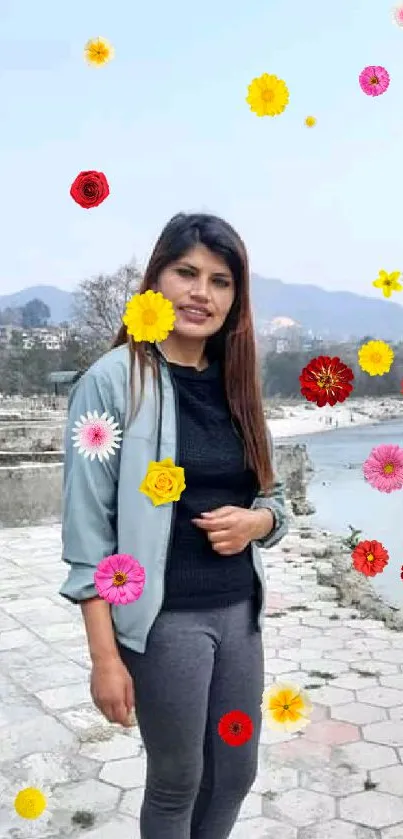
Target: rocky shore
x=328 y=554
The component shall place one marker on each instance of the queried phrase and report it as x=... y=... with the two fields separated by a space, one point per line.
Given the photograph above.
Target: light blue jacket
x=103 y=511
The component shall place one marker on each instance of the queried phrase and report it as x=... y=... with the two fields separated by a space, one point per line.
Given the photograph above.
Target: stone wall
x=30 y=493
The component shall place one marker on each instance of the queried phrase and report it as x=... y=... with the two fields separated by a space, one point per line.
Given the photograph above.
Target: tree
x=100 y=302
x=35 y=313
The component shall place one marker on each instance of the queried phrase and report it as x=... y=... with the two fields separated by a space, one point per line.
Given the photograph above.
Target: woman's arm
x=99 y=629
x=274 y=502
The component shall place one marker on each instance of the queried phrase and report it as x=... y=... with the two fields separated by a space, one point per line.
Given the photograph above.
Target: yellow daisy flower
x=310 y=122
x=98 y=51
x=267 y=96
x=164 y=482
x=388 y=282
x=286 y=707
x=30 y=803
x=375 y=358
x=149 y=317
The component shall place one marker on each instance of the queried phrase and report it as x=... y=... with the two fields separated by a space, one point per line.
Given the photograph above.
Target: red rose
x=235 y=728
x=89 y=189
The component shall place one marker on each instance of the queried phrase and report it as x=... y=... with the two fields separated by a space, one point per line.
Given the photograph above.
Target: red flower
x=89 y=189
x=326 y=381
x=235 y=728
x=370 y=558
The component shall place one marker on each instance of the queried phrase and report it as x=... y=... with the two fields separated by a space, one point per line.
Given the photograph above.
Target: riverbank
x=332 y=561
x=293 y=419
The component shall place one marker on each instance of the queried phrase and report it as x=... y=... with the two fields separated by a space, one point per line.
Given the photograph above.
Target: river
x=341 y=496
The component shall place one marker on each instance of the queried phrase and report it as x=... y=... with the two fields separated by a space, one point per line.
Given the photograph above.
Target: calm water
x=342 y=497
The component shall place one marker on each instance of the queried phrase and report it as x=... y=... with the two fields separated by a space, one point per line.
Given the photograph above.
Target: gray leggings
x=197 y=667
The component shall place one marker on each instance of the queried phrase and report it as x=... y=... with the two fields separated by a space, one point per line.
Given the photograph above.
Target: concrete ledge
x=30 y=494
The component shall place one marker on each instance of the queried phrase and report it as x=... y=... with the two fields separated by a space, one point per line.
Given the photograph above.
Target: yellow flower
x=267 y=96
x=375 y=358
x=149 y=317
x=286 y=707
x=388 y=282
x=30 y=803
x=164 y=482
x=310 y=122
x=98 y=51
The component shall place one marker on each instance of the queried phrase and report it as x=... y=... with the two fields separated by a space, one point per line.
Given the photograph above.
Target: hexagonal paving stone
x=84 y=795
x=272 y=777
x=124 y=827
x=300 y=807
x=302 y=753
x=373 y=809
x=333 y=696
x=353 y=681
x=335 y=780
x=332 y=733
x=394 y=681
x=276 y=665
x=336 y=829
x=391 y=654
x=389 y=732
x=384 y=697
x=358 y=713
x=259 y=829
x=131 y=802
x=395 y=832
x=368 y=755
x=126 y=774
x=117 y=748
x=380 y=668
x=389 y=779
x=396 y=713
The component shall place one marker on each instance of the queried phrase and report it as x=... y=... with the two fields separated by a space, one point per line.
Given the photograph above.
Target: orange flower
x=370 y=558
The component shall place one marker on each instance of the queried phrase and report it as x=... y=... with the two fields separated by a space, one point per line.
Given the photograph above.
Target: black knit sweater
x=212 y=455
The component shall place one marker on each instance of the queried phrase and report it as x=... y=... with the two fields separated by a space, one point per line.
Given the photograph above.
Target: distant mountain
x=59 y=301
x=331 y=314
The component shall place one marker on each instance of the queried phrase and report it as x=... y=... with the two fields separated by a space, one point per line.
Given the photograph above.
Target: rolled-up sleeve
x=275 y=502
x=89 y=494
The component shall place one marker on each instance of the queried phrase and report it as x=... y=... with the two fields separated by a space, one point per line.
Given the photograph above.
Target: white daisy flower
x=97 y=436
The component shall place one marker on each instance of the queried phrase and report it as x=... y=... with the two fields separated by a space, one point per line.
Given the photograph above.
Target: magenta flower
x=119 y=579
x=383 y=469
x=374 y=80
x=397 y=13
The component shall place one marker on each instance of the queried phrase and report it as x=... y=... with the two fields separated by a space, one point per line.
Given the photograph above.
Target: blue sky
x=168 y=123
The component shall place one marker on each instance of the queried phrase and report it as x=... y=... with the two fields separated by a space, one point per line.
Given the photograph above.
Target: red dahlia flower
x=370 y=558
x=326 y=381
x=235 y=728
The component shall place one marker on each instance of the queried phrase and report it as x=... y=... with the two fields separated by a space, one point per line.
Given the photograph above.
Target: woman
x=189 y=650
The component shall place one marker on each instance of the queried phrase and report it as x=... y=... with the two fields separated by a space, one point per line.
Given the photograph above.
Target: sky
x=168 y=124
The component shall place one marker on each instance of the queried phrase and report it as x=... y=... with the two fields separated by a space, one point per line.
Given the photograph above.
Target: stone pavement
x=340 y=779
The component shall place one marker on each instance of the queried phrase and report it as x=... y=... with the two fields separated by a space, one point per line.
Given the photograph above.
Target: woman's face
x=201 y=289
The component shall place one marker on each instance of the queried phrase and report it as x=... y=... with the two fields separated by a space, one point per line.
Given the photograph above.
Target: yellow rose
x=164 y=482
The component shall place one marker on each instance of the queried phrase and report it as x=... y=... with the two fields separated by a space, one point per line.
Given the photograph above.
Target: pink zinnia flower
x=383 y=469
x=397 y=13
x=119 y=579
x=374 y=80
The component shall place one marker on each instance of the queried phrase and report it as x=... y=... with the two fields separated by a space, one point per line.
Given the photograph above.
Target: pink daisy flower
x=119 y=579
x=374 y=80
x=383 y=469
x=96 y=436
x=397 y=13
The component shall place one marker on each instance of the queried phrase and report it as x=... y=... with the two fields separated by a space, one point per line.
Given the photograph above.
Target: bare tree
x=100 y=302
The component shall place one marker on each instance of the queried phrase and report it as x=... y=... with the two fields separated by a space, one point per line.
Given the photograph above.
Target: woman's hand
x=112 y=690
x=231 y=529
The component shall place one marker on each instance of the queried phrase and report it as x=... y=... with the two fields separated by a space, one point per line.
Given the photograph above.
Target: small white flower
x=397 y=13
x=97 y=436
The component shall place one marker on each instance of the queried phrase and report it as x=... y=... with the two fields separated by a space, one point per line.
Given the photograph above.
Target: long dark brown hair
x=234 y=344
